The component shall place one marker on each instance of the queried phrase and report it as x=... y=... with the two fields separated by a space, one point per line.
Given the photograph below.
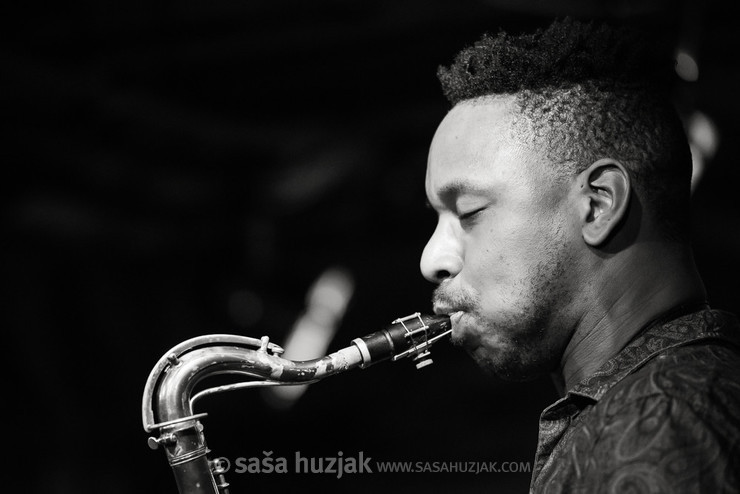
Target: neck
x=635 y=291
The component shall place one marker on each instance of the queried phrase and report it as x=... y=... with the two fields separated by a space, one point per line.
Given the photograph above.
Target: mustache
x=454 y=300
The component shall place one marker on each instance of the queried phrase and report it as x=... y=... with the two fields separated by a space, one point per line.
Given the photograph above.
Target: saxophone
x=170 y=391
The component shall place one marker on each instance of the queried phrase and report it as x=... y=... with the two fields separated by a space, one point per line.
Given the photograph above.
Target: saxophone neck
x=169 y=395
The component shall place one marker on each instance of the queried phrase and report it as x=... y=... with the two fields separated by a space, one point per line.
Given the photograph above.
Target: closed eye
x=469 y=215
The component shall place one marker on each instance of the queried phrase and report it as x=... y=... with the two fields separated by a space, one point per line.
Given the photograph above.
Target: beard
x=526 y=337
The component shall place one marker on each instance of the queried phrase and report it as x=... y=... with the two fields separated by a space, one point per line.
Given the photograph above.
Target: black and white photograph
x=478 y=246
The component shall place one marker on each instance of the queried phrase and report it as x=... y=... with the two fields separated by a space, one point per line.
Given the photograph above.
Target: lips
x=458 y=304
x=455 y=318
x=453 y=313
x=443 y=310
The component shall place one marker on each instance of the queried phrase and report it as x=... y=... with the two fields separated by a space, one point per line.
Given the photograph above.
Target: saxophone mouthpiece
x=410 y=336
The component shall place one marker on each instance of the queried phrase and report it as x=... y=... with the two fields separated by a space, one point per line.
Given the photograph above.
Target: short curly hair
x=589 y=91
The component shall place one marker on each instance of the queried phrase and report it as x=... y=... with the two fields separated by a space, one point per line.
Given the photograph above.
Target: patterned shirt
x=663 y=415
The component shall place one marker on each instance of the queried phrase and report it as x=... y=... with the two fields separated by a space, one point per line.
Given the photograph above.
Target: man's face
x=503 y=248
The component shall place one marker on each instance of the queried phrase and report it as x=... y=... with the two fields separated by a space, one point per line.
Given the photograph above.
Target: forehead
x=476 y=144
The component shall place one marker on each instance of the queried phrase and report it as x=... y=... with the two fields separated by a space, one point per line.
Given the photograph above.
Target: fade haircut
x=587 y=91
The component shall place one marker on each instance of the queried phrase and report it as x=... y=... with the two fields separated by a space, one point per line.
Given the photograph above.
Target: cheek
x=504 y=252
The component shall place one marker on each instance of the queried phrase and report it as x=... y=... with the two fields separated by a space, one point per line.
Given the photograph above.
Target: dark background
x=182 y=168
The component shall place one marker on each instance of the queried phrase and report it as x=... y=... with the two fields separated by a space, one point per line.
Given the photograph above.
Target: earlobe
x=605 y=190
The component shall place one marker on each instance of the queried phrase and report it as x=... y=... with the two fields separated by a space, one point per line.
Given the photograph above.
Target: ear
x=605 y=190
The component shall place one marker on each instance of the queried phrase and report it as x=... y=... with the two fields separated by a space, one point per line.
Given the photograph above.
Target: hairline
x=522 y=130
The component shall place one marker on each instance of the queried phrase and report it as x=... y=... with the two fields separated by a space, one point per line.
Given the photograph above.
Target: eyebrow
x=454 y=189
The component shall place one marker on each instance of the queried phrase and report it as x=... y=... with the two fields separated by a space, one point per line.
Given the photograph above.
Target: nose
x=442 y=257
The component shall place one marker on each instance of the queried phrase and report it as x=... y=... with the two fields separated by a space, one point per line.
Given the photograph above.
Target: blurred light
x=704 y=141
x=686 y=67
x=312 y=178
x=326 y=303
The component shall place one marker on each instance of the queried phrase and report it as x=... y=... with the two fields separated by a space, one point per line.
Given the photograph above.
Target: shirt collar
x=667 y=332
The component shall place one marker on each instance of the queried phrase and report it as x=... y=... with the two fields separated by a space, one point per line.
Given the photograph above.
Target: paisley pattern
x=663 y=416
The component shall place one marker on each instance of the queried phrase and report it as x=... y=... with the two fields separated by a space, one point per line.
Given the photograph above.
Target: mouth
x=452 y=313
x=455 y=317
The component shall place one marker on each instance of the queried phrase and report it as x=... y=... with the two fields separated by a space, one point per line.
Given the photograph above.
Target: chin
x=512 y=348
x=511 y=364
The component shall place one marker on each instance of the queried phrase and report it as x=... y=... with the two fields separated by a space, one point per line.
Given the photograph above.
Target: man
x=561 y=179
